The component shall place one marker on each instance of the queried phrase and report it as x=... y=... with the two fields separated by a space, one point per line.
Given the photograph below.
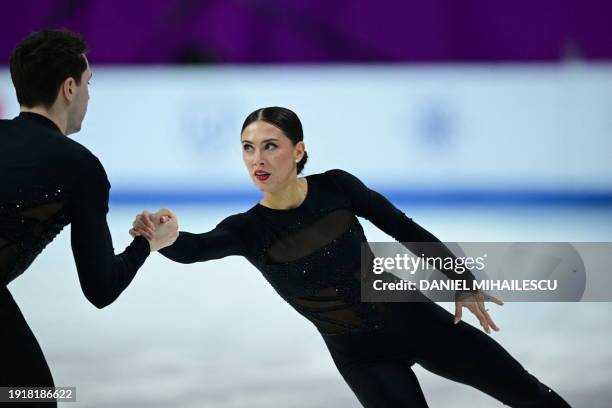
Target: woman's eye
x=247 y=148
x=270 y=146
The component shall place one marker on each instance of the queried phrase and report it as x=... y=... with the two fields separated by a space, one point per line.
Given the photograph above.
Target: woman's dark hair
x=284 y=119
x=42 y=61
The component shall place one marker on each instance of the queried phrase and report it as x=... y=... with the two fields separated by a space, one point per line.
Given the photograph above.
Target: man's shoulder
x=57 y=148
x=79 y=159
x=6 y=126
x=79 y=150
x=82 y=156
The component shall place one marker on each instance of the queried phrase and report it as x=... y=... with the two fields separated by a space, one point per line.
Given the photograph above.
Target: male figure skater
x=49 y=181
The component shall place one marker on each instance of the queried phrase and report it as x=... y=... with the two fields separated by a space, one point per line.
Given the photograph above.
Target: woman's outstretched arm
x=189 y=247
x=381 y=212
x=375 y=207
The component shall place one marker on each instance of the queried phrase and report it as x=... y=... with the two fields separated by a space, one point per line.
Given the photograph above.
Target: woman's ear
x=299 y=150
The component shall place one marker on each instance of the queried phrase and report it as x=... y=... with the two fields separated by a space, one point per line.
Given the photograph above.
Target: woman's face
x=269 y=156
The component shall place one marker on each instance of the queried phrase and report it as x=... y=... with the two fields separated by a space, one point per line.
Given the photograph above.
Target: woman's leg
x=466 y=354
x=378 y=376
x=384 y=384
x=23 y=362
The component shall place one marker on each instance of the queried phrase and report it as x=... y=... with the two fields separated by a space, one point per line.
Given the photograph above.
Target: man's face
x=78 y=107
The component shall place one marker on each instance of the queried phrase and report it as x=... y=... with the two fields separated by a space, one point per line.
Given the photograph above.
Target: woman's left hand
x=474 y=302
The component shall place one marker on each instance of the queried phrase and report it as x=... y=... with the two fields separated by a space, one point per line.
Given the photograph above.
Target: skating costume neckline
x=302 y=205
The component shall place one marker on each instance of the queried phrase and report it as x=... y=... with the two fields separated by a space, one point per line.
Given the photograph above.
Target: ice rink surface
x=217 y=335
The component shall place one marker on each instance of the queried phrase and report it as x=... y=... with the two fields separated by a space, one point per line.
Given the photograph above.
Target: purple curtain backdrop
x=288 y=31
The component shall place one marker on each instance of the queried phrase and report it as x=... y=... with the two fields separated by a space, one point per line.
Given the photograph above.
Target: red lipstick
x=261 y=175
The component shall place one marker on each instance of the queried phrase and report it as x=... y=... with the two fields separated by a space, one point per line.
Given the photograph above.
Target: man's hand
x=160 y=228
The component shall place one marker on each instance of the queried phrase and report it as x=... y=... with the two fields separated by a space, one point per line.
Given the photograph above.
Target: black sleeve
x=102 y=274
x=381 y=212
x=215 y=244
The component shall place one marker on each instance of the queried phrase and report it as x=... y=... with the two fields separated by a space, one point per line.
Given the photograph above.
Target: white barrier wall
x=400 y=127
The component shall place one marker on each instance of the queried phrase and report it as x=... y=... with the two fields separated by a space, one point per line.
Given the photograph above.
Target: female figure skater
x=306 y=240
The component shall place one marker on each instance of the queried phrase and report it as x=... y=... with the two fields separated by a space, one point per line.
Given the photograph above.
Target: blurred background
x=481 y=120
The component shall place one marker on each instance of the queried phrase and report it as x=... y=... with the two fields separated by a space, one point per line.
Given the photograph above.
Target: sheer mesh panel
x=24 y=232
x=329 y=308
x=311 y=238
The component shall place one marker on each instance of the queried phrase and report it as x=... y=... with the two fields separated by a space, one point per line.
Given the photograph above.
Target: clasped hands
x=160 y=228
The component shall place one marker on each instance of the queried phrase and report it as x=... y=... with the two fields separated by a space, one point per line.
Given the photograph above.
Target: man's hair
x=41 y=63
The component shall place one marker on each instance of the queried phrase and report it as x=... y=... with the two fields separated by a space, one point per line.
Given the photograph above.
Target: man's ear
x=68 y=89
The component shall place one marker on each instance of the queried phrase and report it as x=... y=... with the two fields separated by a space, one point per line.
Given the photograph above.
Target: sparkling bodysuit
x=47 y=182
x=310 y=254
